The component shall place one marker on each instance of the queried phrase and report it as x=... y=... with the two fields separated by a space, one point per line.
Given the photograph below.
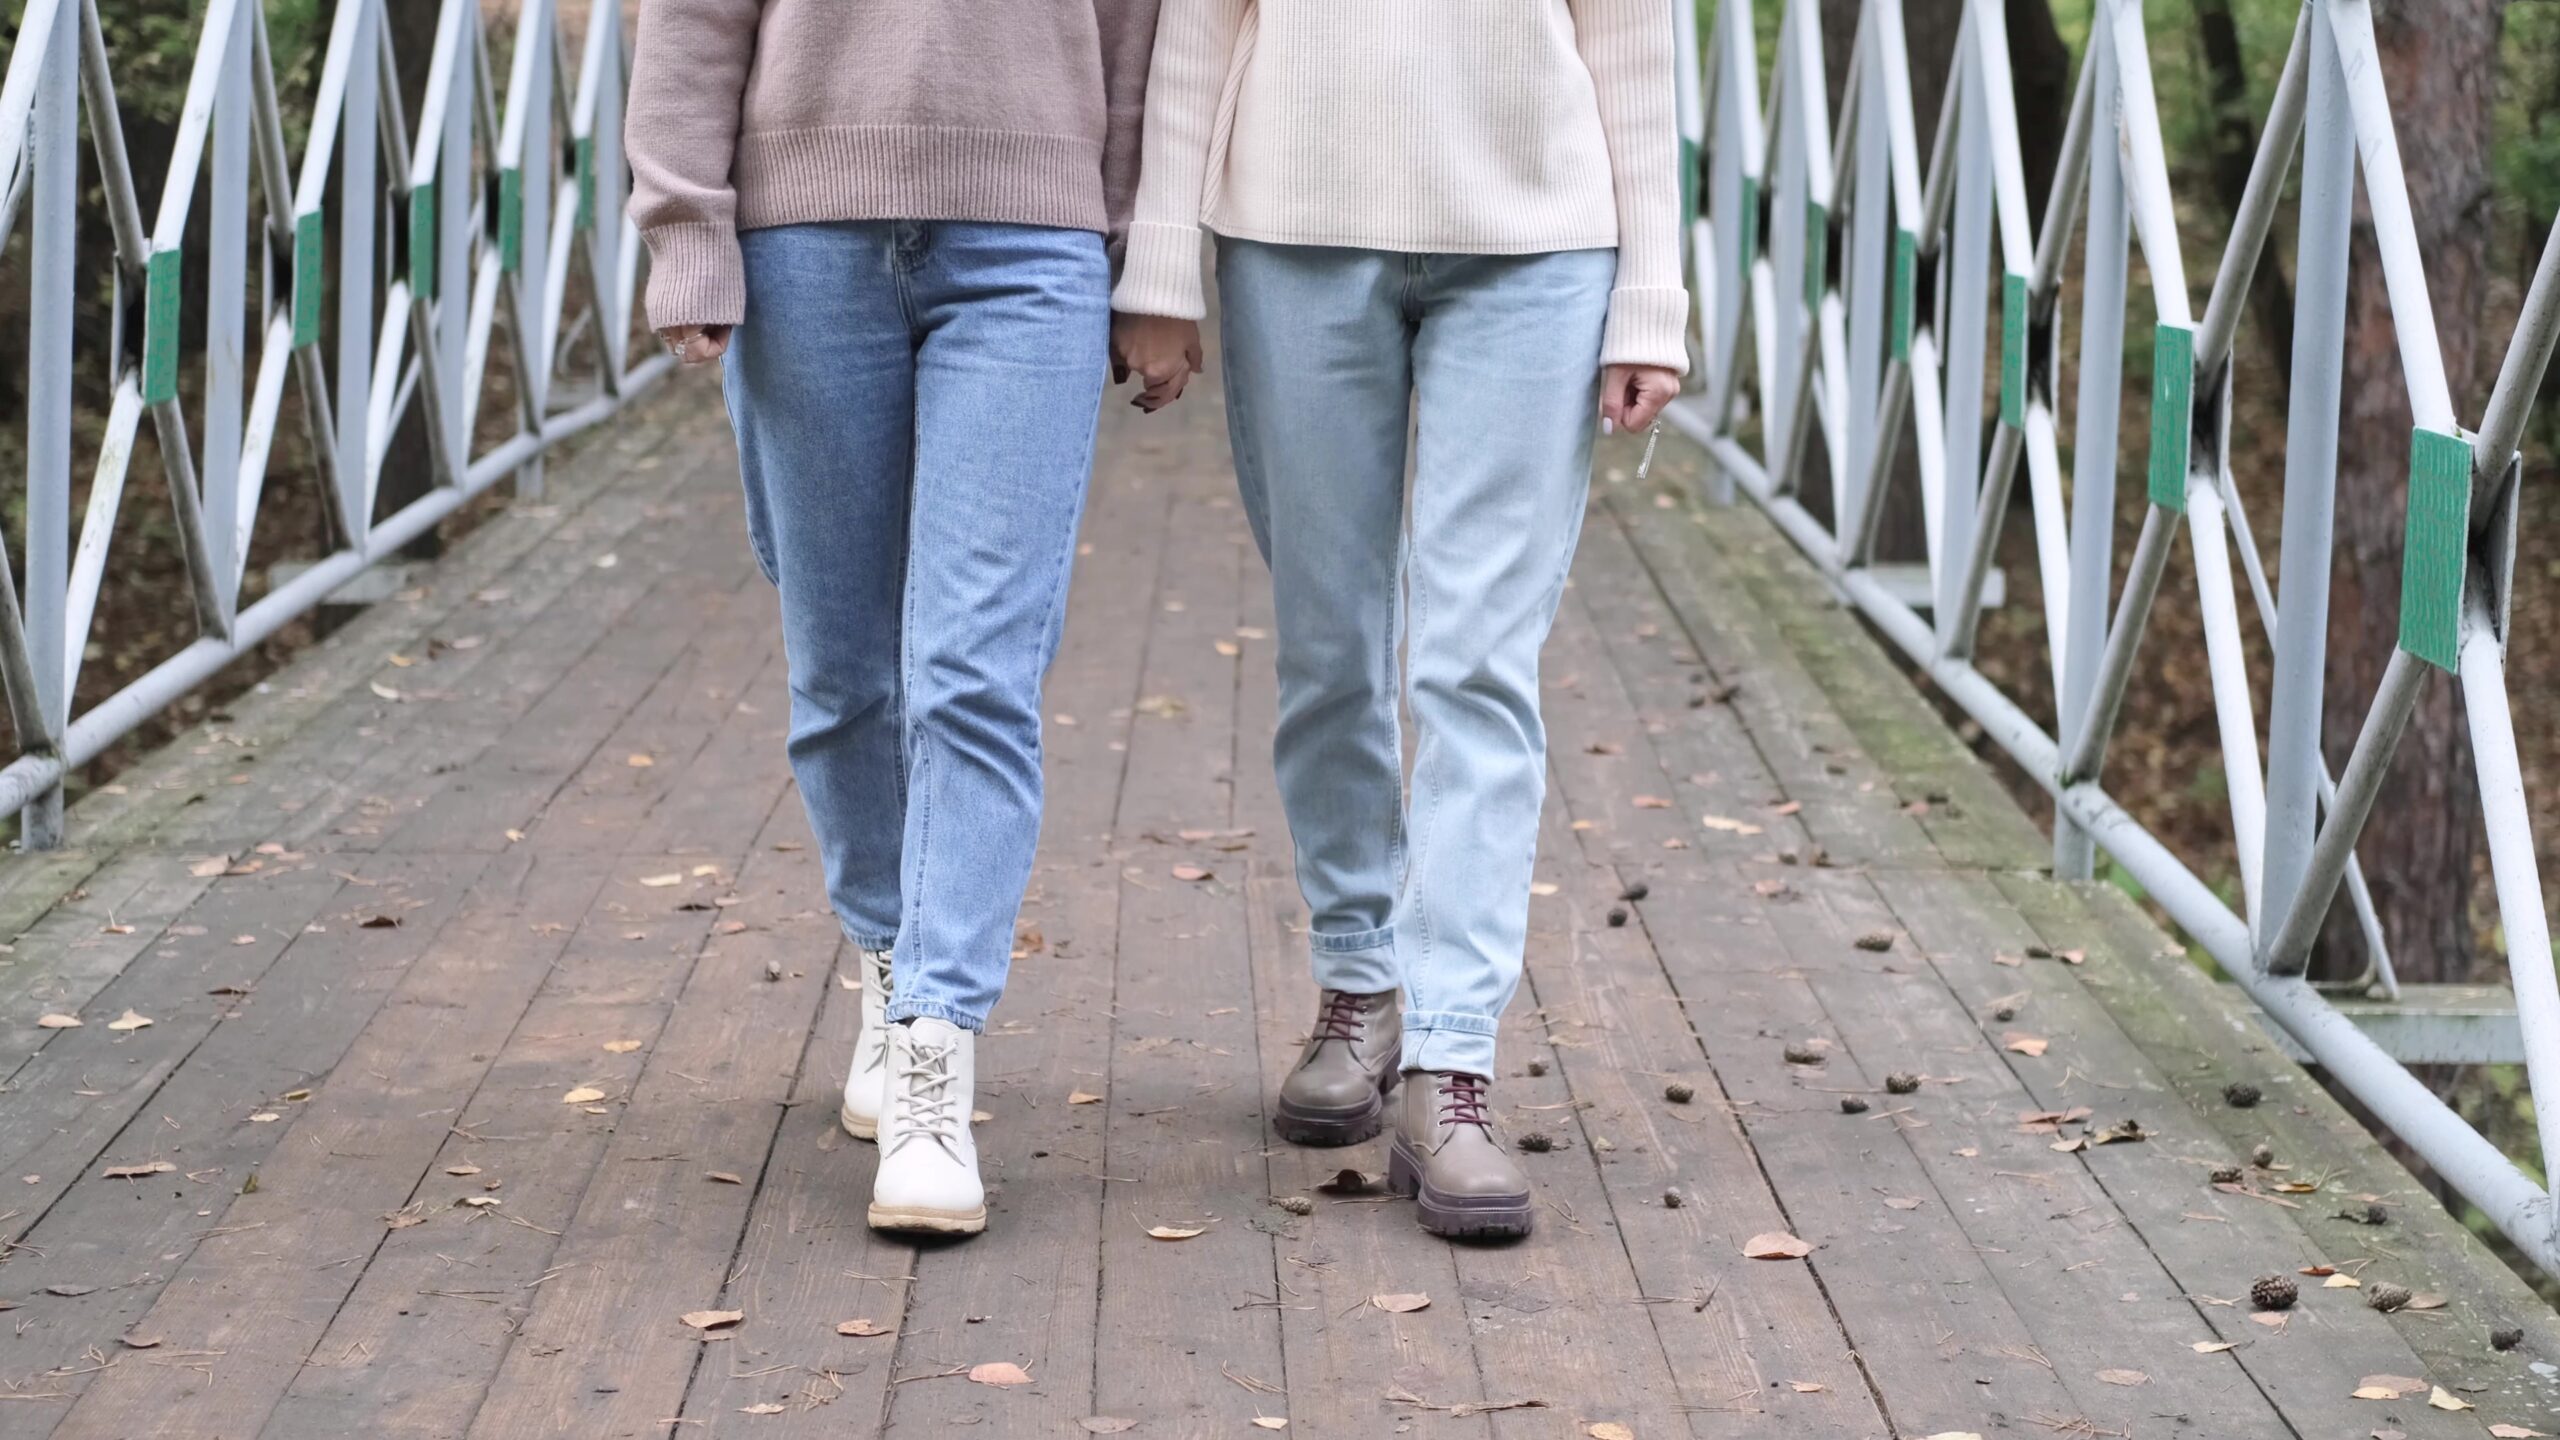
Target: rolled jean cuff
x=902 y=1008
x=1362 y=962
x=873 y=943
x=1444 y=1040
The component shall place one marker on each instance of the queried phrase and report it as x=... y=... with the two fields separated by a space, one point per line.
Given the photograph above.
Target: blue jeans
x=1494 y=362
x=915 y=406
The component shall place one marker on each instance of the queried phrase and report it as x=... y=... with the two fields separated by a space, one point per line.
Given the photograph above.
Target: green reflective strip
x=1750 y=226
x=310 y=264
x=2013 y=351
x=2173 y=413
x=422 y=242
x=1817 y=251
x=510 y=219
x=160 y=328
x=1688 y=181
x=586 y=161
x=2431 y=564
x=1906 y=283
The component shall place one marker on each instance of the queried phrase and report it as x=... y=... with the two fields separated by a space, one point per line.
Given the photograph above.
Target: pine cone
x=2273 y=1292
x=2385 y=1296
x=1901 y=1082
x=2226 y=1175
x=1853 y=1105
x=2506 y=1337
x=1678 y=1094
x=2264 y=1157
x=1802 y=1053
x=2240 y=1094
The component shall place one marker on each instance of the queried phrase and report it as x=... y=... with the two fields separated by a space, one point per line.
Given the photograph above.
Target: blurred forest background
x=2475 y=88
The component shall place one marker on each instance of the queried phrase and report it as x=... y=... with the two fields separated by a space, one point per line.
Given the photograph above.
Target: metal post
x=226 y=272
x=2096 y=411
x=360 y=203
x=54 y=135
x=2310 y=476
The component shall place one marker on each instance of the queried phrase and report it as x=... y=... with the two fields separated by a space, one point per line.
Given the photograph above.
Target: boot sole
x=933 y=1222
x=856 y=1126
x=1332 y=1129
x=1456 y=1217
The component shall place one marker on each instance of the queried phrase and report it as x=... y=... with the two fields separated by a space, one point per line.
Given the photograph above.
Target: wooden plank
x=417 y=1340
x=64 y=960
x=604 y=1352
x=262 y=1286
x=1025 y=1291
x=126 y=1237
x=699 y=812
x=1184 y=1091
x=2200 y=1037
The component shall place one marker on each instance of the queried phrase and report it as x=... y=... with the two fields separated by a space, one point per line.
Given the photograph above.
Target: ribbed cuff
x=696 y=276
x=1648 y=326
x=1160 y=275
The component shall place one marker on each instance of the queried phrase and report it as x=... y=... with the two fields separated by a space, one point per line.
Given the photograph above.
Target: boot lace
x=1340 y=1017
x=1462 y=1101
x=925 y=1104
x=875 y=1043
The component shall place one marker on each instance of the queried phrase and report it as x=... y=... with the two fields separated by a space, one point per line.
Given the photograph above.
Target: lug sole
x=856 y=1126
x=932 y=1222
x=1332 y=1129
x=1456 y=1217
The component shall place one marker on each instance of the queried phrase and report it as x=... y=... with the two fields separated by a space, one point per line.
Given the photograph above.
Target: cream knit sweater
x=1468 y=126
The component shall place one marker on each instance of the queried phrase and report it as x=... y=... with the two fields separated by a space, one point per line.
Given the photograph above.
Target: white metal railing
x=1904 y=345
x=417 y=336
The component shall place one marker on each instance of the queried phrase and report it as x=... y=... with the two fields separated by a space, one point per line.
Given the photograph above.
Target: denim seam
x=860 y=941
x=902 y=1008
x=1422 y=1022
x=1352 y=942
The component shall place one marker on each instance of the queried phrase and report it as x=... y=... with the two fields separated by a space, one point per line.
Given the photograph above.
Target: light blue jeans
x=915 y=406
x=1493 y=361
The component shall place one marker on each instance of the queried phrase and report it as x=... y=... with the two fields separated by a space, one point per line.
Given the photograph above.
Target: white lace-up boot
x=868 y=1080
x=928 y=1176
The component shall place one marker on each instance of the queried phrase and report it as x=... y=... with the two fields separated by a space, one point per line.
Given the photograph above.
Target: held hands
x=1161 y=352
x=695 y=344
x=1632 y=396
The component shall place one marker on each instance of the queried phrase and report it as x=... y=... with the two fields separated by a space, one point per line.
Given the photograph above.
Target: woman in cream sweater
x=1455 y=220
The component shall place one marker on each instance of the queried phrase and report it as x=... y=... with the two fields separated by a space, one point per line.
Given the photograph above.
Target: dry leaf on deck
x=583 y=1095
x=1107 y=1424
x=1176 y=1232
x=1728 y=825
x=2342 y=1282
x=58 y=1022
x=2388 y=1387
x=129 y=1020
x=620 y=1047
x=1269 y=1422
x=1083 y=1097
x=2443 y=1399
x=1610 y=1430
x=2124 y=1377
x=865 y=1326
x=661 y=882
x=1542 y=887
x=2023 y=1043
x=462 y=1169
x=2517 y=1432
x=136 y=1172
x=1400 y=1304
x=1806 y=1387
x=1776 y=1245
x=2211 y=1347
x=767 y=1408
x=713 y=1319
x=1954 y=1435
x=1190 y=872
x=1000 y=1372
x=722 y=1177
x=639 y=762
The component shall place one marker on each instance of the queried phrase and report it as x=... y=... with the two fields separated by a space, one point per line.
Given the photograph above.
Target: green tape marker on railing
x=160 y=327
x=510 y=219
x=1817 y=251
x=422 y=242
x=586 y=162
x=2173 y=413
x=1906 y=285
x=1688 y=182
x=2432 y=561
x=1750 y=226
x=2013 y=351
x=310 y=277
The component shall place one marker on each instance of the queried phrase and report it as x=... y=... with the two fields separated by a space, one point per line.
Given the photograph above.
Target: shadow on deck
x=493 y=1023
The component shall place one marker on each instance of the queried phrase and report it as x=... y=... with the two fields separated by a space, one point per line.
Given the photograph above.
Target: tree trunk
x=2440 y=67
x=2235 y=147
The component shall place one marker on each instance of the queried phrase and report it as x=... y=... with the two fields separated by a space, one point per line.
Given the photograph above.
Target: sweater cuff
x=1648 y=325
x=696 y=275
x=1160 y=274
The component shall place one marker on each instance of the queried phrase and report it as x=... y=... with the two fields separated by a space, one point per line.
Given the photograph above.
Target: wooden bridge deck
x=494 y=1020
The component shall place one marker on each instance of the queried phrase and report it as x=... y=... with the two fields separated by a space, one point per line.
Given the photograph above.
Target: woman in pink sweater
x=889 y=222
x=1456 y=219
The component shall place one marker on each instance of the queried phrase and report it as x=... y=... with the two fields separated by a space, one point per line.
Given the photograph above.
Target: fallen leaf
x=293 y=1095
x=1610 y=1430
x=1176 y=1232
x=620 y=1047
x=1269 y=1422
x=861 y=1327
x=2212 y=1347
x=1228 y=647
x=767 y=1408
x=2443 y=1399
x=1776 y=1245
x=1542 y=887
x=462 y=1169
x=385 y=691
x=479 y=1202
x=999 y=1372
x=2425 y=1301
x=58 y=1022
x=1652 y=802
x=1729 y=825
x=265 y=1117
x=2517 y=1432
x=583 y=1095
x=1954 y=1435
x=1400 y=1304
x=1899 y=1202
x=1106 y=1424
x=713 y=1319
x=1806 y=1387
x=69 y=1292
x=2393 y=1386
x=141 y=1342
x=661 y=882
x=1081 y=1097
x=2024 y=1043
x=209 y=866
x=129 y=1020
x=2342 y=1282
x=2270 y=1319
x=723 y=1177
x=1190 y=872
x=136 y=1172
x=2124 y=1377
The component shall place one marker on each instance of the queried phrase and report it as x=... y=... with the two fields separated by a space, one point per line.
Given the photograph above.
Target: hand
x=696 y=344
x=1632 y=396
x=1162 y=352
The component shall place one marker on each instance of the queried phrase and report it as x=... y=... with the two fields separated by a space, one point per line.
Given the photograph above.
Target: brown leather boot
x=1337 y=1095
x=1447 y=1157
